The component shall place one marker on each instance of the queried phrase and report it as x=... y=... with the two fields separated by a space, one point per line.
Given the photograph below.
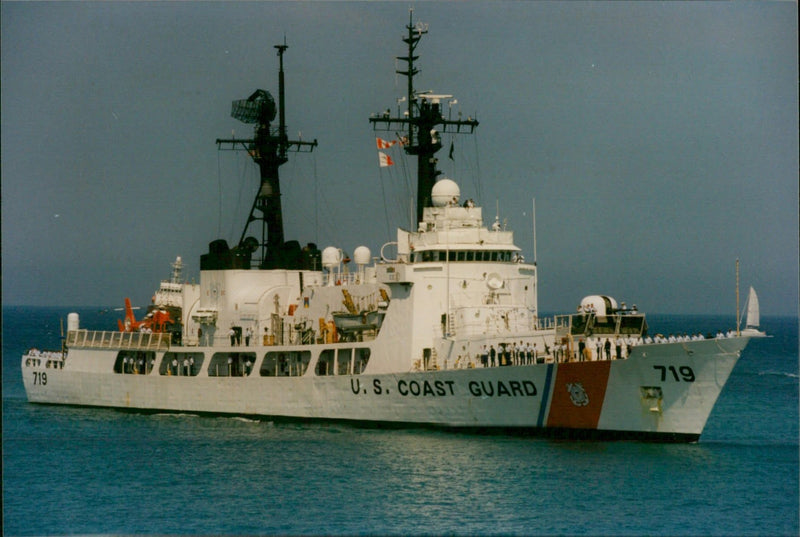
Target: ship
x=441 y=329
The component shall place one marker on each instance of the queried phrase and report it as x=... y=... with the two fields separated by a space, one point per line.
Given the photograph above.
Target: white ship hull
x=662 y=391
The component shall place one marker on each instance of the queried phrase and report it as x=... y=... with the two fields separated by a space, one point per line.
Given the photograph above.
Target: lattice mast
x=421 y=120
x=268 y=148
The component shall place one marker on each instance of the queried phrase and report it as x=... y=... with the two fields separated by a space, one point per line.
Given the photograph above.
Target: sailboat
x=751 y=327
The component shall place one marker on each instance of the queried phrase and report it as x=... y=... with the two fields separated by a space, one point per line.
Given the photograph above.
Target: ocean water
x=99 y=471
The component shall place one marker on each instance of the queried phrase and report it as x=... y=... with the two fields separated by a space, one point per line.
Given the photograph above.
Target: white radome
x=445 y=191
x=362 y=255
x=331 y=257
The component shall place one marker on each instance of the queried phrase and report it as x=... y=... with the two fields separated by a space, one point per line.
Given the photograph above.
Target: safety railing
x=94 y=339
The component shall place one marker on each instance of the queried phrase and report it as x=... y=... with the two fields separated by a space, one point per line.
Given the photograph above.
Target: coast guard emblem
x=577 y=394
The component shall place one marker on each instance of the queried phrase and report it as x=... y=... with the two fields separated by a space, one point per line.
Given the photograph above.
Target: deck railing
x=95 y=339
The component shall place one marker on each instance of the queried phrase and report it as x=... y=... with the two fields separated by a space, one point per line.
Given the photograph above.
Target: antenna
x=534 y=231
x=284 y=138
x=268 y=148
x=422 y=122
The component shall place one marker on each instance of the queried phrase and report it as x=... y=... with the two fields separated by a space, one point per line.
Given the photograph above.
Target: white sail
x=753 y=320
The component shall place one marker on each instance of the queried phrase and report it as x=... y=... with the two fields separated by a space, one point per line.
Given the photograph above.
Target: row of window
x=463 y=255
x=351 y=361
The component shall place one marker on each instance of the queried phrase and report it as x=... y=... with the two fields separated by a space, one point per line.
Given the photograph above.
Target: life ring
x=383 y=256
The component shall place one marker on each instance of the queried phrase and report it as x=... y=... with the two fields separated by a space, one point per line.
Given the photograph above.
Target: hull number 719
x=686 y=373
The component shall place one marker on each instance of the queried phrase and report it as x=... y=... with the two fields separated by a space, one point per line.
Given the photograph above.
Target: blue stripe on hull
x=545 y=395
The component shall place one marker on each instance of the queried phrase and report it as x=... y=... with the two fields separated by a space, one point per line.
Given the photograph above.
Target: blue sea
x=100 y=471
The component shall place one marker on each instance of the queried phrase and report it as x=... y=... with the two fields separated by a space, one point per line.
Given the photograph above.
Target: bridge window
x=453 y=256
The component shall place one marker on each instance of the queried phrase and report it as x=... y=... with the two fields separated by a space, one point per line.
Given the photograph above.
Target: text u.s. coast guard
x=444 y=388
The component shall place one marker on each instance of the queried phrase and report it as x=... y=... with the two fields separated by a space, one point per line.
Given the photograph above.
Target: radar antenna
x=268 y=148
x=421 y=120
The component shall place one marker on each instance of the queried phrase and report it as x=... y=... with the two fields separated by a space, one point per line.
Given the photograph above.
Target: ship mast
x=421 y=121
x=268 y=148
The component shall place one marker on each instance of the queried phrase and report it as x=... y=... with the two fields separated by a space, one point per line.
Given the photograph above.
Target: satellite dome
x=362 y=255
x=444 y=192
x=331 y=256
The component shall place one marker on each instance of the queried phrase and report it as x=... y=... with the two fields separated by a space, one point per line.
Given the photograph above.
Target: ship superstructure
x=444 y=332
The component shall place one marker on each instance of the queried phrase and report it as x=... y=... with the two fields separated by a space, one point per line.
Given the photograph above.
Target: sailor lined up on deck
x=593 y=348
x=509 y=354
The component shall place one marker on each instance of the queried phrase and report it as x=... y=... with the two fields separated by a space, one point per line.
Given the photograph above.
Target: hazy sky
x=660 y=140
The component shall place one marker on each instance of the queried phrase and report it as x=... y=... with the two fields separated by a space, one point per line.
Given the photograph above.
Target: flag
x=383 y=144
x=384 y=159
